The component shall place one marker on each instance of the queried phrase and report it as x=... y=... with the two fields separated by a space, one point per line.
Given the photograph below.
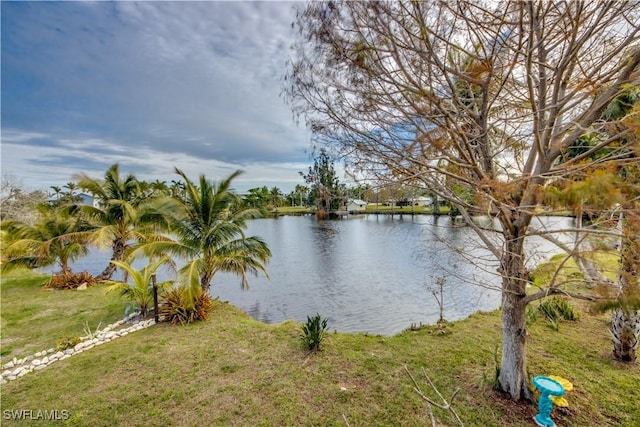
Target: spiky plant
x=313 y=332
x=140 y=290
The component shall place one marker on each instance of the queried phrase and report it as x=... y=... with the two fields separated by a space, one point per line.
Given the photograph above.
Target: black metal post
x=156 y=315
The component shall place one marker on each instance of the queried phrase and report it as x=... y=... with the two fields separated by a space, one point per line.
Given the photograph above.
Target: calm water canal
x=367 y=273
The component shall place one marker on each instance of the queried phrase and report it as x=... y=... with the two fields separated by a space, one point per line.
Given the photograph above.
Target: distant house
x=85 y=199
x=356 y=205
x=422 y=201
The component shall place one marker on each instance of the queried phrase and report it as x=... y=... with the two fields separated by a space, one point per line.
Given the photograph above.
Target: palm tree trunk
x=625 y=331
x=625 y=320
x=206 y=278
x=118 y=249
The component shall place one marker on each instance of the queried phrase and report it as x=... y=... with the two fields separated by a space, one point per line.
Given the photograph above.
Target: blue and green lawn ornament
x=549 y=388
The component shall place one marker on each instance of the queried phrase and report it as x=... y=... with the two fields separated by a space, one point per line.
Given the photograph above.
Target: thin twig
x=417 y=390
x=447 y=406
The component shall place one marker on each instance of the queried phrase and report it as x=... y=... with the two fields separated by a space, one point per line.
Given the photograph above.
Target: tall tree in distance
x=324 y=183
x=276 y=197
x=482 y=95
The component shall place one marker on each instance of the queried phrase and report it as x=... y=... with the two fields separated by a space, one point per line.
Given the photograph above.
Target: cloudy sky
x=150 y=85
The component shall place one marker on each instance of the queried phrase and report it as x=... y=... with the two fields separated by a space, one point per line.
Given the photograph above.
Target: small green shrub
x=178 y=306
x=313 y=332
x=66 y=343
x=565 y=309
x=70 y=280
x=556 y=309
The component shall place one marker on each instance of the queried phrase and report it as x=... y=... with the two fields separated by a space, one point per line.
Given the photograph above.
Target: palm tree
x=208 y=223
x=56 y=238
x=120 y=215
x=625 y=315
x=624 y=192
x=160 y=188
x=56 y=191
x=301 y=192
x=141 y=290
x=72 y=187
x=276 y=197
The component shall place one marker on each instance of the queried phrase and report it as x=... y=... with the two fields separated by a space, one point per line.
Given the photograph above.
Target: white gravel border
x=17 y=368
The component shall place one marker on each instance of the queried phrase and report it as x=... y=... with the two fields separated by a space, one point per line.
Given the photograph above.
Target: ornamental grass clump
x=70 y=280
x=313 y=332
x=180 y=307
x=556 y=309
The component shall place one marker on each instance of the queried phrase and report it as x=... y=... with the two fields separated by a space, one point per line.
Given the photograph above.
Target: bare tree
x=18 y=204
x=481 y=95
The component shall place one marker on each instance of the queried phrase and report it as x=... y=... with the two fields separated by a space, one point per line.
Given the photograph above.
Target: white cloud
x=151 y=85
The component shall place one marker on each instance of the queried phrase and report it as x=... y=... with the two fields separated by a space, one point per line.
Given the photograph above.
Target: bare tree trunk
x=513 y=374
x=513 y=367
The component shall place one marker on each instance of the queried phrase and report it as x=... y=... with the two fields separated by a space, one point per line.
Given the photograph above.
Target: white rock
x=22 y=373
x=6 y=374
x=37 y=368
x=45 y=360
x=66 y=356
x=51 y=350
x=68 y=351
x=11 y=377
x=36 y=362
x=28 y=359
x=82 y=287
x=8 y=365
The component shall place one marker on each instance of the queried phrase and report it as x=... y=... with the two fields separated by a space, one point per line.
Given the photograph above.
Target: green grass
x=33 y=318
x=234 y=370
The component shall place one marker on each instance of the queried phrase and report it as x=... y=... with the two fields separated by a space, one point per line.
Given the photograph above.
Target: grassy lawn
x=235 y=371
x=33 y=318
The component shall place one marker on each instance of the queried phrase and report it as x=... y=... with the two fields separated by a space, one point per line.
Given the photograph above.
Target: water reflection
x=369 y=273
